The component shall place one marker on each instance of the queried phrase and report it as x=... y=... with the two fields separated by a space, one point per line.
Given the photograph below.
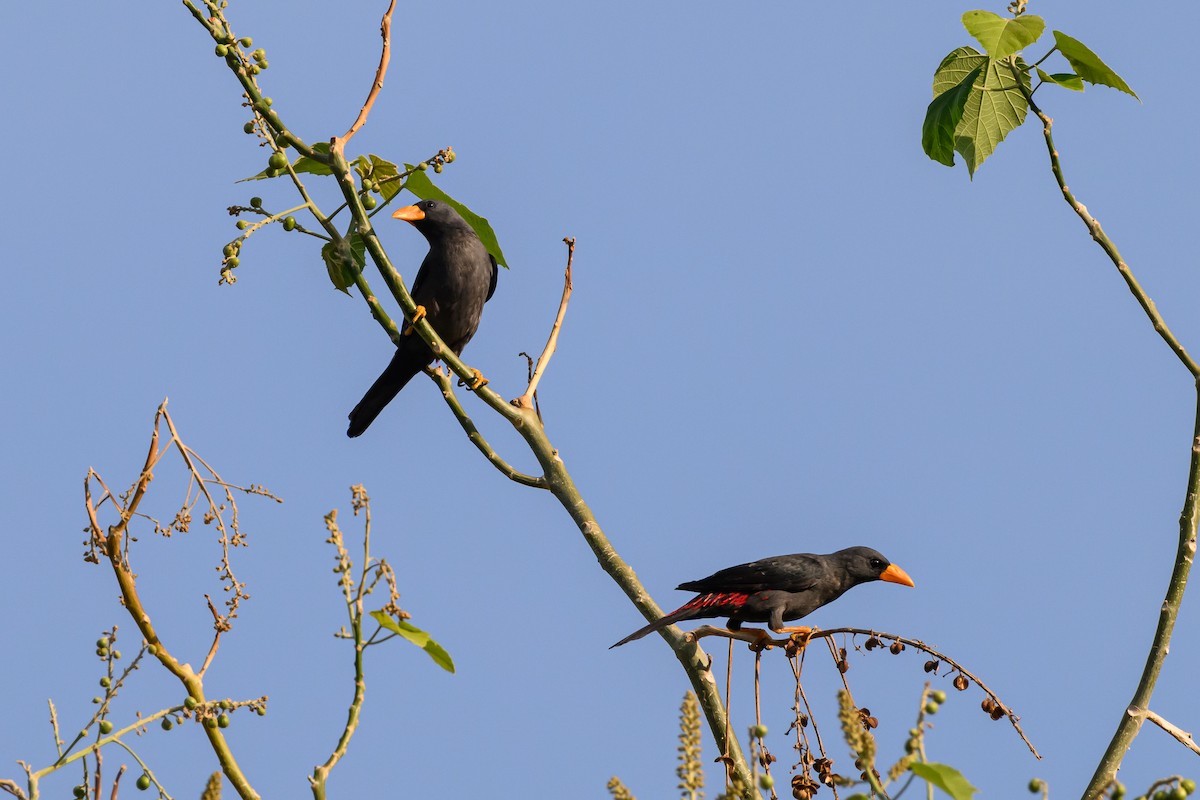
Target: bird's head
x=864 y=564
x=433 y=218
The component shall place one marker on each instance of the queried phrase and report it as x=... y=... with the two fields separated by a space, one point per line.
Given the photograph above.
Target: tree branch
x=1182 y=736
x=1129 y=726
x=385 y=57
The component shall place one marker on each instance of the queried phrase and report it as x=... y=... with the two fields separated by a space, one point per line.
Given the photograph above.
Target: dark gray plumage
x=779 y=588
x=456 y=278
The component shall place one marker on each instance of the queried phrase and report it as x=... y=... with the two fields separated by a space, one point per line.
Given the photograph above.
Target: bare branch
x=527 y=399
x=1182 y=736
x=385 y=57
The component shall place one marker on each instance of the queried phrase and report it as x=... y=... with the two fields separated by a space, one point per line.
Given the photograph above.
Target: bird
x=778 y=588
x=456 y=278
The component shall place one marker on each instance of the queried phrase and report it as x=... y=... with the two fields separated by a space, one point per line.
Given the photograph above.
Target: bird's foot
x=762 y=640
x=417 y=316
x=479 y=381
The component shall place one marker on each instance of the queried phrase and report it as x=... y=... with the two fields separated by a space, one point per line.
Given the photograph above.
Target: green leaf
x=1002 y=36
x=418 y=637
x=942 y=118
x=419 y=184
x=1067 y=80
x=946 y=778
x=383 y=172
x=994 y=107
x=1088 y=64
x=302 y=164
x=344 y=259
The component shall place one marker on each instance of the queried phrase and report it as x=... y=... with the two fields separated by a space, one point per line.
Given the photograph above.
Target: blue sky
x=790 y=332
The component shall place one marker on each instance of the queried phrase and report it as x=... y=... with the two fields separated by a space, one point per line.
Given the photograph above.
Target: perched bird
x=456 y=278
x=780 y=588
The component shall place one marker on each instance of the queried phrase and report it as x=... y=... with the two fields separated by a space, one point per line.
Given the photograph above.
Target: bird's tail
x=405 y=364
x=688 y=611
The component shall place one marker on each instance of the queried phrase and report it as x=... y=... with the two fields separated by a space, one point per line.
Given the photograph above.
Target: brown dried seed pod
x=931 y=666
x=897 y=648
x=843 y=667
x=988 y=705
x=998 y=712
x=872 y=643
x=873 y=722
x=961 y=682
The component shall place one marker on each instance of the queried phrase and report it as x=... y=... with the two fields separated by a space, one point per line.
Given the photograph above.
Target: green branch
x=1134 y=715
x=556 y=477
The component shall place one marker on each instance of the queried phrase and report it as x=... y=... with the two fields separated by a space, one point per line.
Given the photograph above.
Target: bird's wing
x=794 y=573
x=495 y=274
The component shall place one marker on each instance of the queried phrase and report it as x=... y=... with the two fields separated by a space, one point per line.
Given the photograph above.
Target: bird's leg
x=417 y=316
x=795 y=630
x=479 y=381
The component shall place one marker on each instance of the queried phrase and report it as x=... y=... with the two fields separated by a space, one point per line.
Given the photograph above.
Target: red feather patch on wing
x=735 y=599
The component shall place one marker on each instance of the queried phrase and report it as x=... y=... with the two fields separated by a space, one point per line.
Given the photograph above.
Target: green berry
x=423 y=166
x=245 y=41
x=266 y=101
x=1118 y=791
x=167 y=724
x=914 y=732
x=106 y=682
x=223 y=721
x=931 y=708
x=242 y=224
x=758 y=731
x=259 y=54
x=96 y=701
x=221 y=50
x=1188 y=785
x=256 y=202
x=369 y=202
x=116 y=653
x=102 y=652
x=278 y=160
x=102 y=641
x=152 y=649
x=263 y=64
x=1035 y=785
x=143 y=782
x=766 y=781
x=367 y=184
x=938 y=696
x=248 y=127
x=289 y=223
x=210 y=722
x=910 y=746
x=1178 y=793
x=261 y=711
x=232 y=262
x=105 y=727
x=437 y=168
x=190 y=702
x=79 y=791
x=226 y=704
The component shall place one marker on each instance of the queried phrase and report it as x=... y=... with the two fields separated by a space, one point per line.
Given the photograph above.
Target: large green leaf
x=994 y=107
x=1003 y=36
x=1067 y=80
x=419 y=184
x=344 y=259
x=942 y=118
x=946 y=778
x=418 y=637
x=1088 y=64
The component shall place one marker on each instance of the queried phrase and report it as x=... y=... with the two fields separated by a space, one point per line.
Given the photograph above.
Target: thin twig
x=1182 y=736
x=526 y=400
x=385 y=57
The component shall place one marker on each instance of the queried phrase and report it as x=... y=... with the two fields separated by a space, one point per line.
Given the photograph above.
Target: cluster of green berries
x=1179 y=792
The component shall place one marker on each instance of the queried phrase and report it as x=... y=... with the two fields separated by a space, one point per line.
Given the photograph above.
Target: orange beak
x=409 y=214
x=894 y=574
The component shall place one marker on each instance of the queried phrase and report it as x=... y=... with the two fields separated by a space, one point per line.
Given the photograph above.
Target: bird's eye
x=876 y=563
x=432 y=204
